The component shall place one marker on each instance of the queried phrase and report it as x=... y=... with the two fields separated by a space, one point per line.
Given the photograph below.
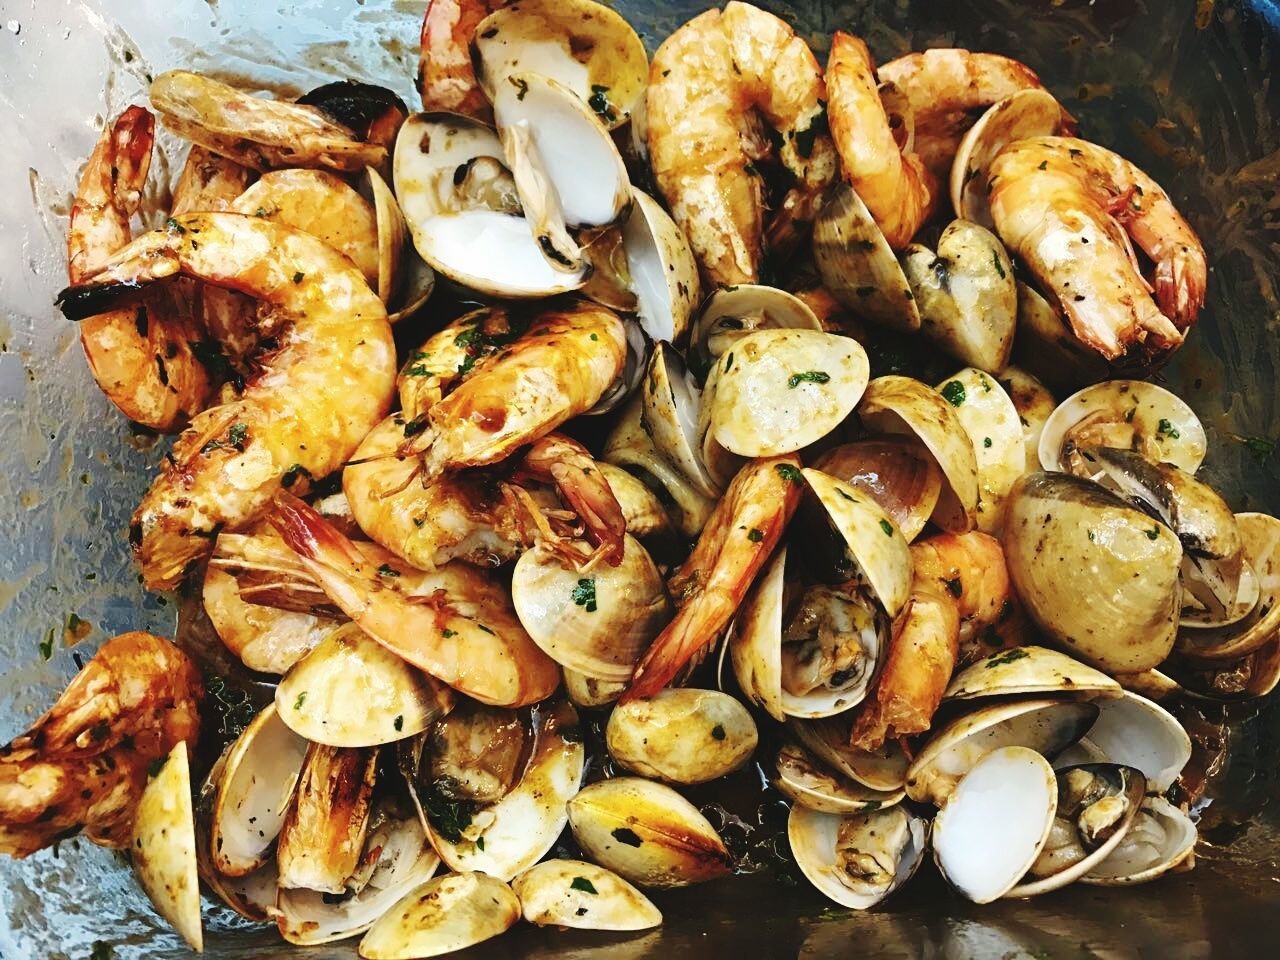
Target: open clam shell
x=721 y=465
x=781 y=390
x=1024 y=114
x=347 y=667
x=1028 y=670
x=996 y=822
x=253 y=895
x=647 y=833
x=588 y=692
x=897 y=473
x=254 y=792
x=1043 y=725
x=586 y=46
x=828 y=740
x=807 y=783
x=584 y=896
x=405 y=282
x=901 y=405
x=857 y=264
x=443 y=915
x=1047 y=347
x=1132 y=730
x=1161 y=838
x=1129 y=415
x=163 y=850
x=992 y=422
x=857 y=859
x=671 y=401
x=639 y=348
x=664 y=273
x=731 y=313
x=1034 y=403
x=682 y=735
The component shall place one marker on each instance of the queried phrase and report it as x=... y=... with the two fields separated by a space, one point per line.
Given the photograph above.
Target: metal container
x=1187 y=90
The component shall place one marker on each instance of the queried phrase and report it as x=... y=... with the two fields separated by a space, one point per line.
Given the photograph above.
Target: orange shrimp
x=446 y=78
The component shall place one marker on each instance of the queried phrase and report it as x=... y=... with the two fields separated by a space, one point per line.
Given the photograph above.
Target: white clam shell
x=731 y=313
x=664 y=273
x=1161 y=839
x=1028 y=670
x=163 y=850
x=449 y=913
x=807 y=783
x=581 y=895
x=1034 y=403
x=828 y=740
x=1139 y=733
x=813 y=838
x=682 y=735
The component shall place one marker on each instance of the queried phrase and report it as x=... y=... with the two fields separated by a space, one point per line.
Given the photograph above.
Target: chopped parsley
x=46 y=645
x=788 y=473
x=584 y=594
x=808 y=376
x=1167 y=429
x=1259 y=448
x=298 y=276
x=986 y=443
x=447 y=633
x=386 y=570
x=1008 y=656
x=599 y=102
x=175 y=226
x=887 y=527
x=995 y=260
x=1153 y=533
x=449 y=817
x=302 y=698
x=717 y=732
x=627 y=836
x=291 y=475
x=237 y=435
x=583 y=884
x=522 y=87
x=953 y=390
x=398 y=722
x=754 y=535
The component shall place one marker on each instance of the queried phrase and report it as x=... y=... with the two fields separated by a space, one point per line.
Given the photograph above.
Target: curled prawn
x=706 y=83
x=455 y=623
x=709 y=586
x=446 y=78
x=143 y=355
x=960 y=589
x=894 y=183
x=323 y=379
x=1072 y=211
x=84 y=763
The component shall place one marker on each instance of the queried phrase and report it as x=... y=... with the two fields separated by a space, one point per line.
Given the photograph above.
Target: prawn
x=948 y=89
x=706 y=83
x=1072 y=211
x=143 y=355
x=455 y=623
x=84 y=763
x=709 y=586
x=323 y=380
x=960 y=590
x=446 y=78
x=899 y=190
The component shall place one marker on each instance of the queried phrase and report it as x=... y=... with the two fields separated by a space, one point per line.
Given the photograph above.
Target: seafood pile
x=562 y=406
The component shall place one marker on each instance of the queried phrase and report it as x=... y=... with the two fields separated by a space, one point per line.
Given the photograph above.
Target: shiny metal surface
x=1186 y=89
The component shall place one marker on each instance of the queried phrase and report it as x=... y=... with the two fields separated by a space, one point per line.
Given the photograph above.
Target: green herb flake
x=995 y=261
x=808 y=376
x=302 y=698
x=174 y=226
x=789 y=473
x=754 y=535
x=386 y=570
x=449 y=817
x=291 y=475
x=298 y=276
x=237 y=435
x=954 y=585
x=584 y=594
x=1044 y=165
x=887 y=527
x=447 y=633
x=480 y=844
x=986 y=443
x=599 y=102
x=1259 y=448
x=1092 y=538
x=1153 y=533
x=595 y=336
x=46 y=645
x=418 y=370
x=398 y=722
x=1008 y=656
x=1167 y=429
x=870 y=805
x=717 y=732
x=260 y=212
x=522 y=87
x=627 y=836
x=155 y=766
x=583 y=884
x=953 y=390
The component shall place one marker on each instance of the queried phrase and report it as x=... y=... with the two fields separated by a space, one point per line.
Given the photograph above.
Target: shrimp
x=1069 y=209
x=706 y=83
x=959 y=590
x=708 y=588
x=454 y=623
x=257 y=132
x=446 y=78
x=510 y=383
x=484 y=517
x=84 y=763
x=947 y=90
x=326 y=380
x=899 y=190
x=143 y=355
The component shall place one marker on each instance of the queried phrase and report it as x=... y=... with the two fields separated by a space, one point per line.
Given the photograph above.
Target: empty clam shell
x=1034 y=403
x=405 y=282
x=682 y=735
x=664 y=273
x=253 y=895
x=1028 y=670
x=731 y=313
x=647 y=519
x=989 y=417
x=449 y=913
x=163 y=850
x=828 y=740
x=581 y=895
x=1132 y=730
x=857 y=859
x=1161 y=838
x=896 y=472
x=807 y=783
x=671 y=401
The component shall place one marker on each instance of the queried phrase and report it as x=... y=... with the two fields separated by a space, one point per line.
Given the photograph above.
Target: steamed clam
x=663 y=272
x=164 y=847
x=1161 y=838
x=448 y=913
x=858 y=859
x=1029 y=670
x=1046 y=346
x=808 y=783
x=573 y=893
x=994 y=427
x=683 y=736
x=731 y=313
x=898 y=473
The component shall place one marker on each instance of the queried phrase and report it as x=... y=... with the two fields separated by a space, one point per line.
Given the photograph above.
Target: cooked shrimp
x=948 y=90
x=257 y=132
x=326 y=381
x=84 y=763
x=511 y=384
x=142 y=355
x=446 y=78
x=454 y=623
x=960 y=588
x=1069 y=209
x=708 y=587
x=898 y=189
x=706 y=83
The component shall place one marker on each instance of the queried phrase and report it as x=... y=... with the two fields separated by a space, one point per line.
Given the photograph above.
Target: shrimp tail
x=309 y=535
x=694 y=629
x=584 y=487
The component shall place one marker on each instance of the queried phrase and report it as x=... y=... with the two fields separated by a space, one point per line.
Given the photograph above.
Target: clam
x=802 y=779
x=585 y=46
x=253 y=793
x=323 y=832
x=1128 y=415
x=1097 y=804
x=476 y=754
x=405 y=282
x=901 y=405
x=647 y=519
x=965 y=294
x=583 y=896
x=397 y=857
x=991 y=420
x=1161 y=839
x=1025 y=114
x=1026 y=671
x=780 y=390
x=1096 y=575
x=664 y=273
x=253 y=895
x=1034 y=403
x=682 y=735
x=996 y=822
x=647 y=833
x=671 y=401
x=857 y=264
x=458 y=203
x=721 y=464
x=163 y=850
x=897 y=473
x=732 y=313
x=1151 y=684
x=857 y=859
x=449 y=913
x=639 y=349
x=610 y=282
x=598 y=623
x=588 y=692
x=314 y=699
x=1134 y=731
x=828 y=740
x=1043 y=725
x=1047 y=347
x=506 y=837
